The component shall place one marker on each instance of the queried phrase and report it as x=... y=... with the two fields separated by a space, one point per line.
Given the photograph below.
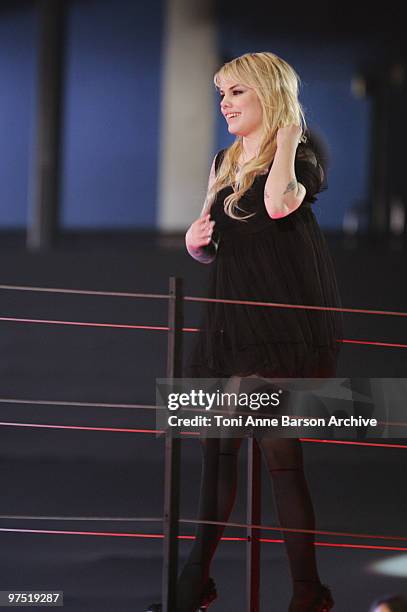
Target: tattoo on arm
x=292 y=185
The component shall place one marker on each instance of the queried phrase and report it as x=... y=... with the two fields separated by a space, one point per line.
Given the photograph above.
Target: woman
x=258 y=228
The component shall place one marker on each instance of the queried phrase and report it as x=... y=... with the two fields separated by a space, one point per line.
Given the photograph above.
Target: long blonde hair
x=277 y=85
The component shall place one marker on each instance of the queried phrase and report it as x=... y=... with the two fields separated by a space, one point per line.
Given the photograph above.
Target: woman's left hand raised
x=290 y=134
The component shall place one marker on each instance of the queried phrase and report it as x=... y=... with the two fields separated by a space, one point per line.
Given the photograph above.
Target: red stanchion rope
x=188 y=537
x=184 y=433
x=163 y=328
x=151 y=431
x=201 y=299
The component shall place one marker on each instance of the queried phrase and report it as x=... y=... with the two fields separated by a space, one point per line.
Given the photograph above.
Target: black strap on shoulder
x=218 y=159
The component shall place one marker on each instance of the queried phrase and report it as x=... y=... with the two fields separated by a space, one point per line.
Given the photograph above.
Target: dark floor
x=97 y=473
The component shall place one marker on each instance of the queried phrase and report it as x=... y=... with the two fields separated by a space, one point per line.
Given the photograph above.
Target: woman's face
x=241 y=108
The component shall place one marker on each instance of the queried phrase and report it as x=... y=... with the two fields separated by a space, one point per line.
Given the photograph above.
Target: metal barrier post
x=172 y=454
x=253 y=514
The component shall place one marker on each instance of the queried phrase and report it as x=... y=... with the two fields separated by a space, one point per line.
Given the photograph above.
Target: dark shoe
x=324 y=601
x=208 y=595
x=321 y=602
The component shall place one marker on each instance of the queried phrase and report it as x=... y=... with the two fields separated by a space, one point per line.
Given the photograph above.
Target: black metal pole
x=253 y=514
x=41 y=228
x=172 y=454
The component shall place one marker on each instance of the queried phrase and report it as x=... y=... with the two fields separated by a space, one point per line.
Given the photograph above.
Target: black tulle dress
x=270 y=260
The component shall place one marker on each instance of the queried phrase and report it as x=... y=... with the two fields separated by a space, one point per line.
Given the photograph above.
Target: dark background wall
x=110 y=134
x=110 y=474
x=18 y=33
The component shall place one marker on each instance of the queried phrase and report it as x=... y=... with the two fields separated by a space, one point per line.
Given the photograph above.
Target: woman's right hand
x=200 y=232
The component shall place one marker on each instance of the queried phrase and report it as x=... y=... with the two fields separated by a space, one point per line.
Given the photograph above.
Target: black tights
x=283 y=457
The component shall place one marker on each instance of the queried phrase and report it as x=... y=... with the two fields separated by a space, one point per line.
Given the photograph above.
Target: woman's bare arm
x=283 y=194
x=198 y=238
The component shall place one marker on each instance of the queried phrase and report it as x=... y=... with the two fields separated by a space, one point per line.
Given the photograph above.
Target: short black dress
x=282 y=261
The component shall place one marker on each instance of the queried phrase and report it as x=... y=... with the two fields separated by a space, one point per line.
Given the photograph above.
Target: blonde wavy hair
x=277 y=86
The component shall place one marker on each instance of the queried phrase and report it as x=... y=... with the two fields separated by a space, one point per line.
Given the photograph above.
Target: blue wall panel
x=111 y=124
x=17 y=91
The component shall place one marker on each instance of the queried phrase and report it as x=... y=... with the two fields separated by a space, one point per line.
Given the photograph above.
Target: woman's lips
x=234 y=117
